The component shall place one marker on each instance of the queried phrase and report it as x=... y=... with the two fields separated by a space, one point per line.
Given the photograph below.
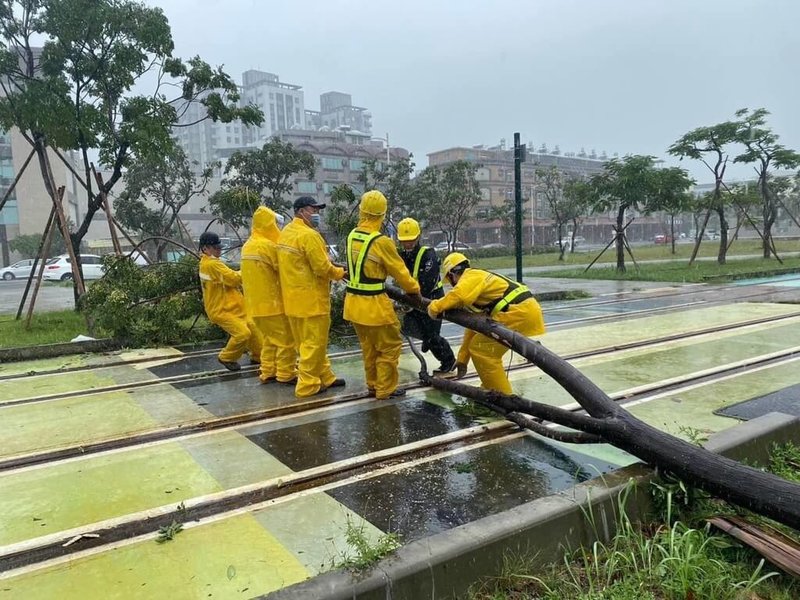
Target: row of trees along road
x=78 y=92
x=751 y=141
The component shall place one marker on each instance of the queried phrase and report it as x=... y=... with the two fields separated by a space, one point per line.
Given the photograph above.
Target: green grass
x=681 y=272
x=675 y=560
x=46 y=328
x=641 y=253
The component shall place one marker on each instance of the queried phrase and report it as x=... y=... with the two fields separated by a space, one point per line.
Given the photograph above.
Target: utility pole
x=519 y=158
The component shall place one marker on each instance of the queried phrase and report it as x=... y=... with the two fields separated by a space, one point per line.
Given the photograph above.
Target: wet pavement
x=429 y=481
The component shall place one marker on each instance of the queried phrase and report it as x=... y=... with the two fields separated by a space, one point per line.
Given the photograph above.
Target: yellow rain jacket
x=221 y=295
x=382 y=260
x=305 y=271
x=477 y=289
x=262 y=288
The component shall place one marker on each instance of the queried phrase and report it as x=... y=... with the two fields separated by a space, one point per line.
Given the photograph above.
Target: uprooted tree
x=607 y=422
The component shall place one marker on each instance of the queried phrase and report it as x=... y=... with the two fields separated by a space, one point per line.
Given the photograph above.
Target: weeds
x=168 y=532
x=672 y=561
x=365 y=552
x=464 y=467
x=694 y=435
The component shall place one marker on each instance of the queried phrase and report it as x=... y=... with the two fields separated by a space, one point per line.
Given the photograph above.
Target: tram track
x=188 y=428
x=141 y=525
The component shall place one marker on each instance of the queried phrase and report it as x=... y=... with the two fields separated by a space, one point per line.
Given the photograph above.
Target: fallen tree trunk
x=605 y=421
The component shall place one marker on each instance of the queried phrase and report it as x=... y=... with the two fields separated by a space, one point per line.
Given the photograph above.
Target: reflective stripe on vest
x=515 y=292
x=418 y=262
x=359 y=283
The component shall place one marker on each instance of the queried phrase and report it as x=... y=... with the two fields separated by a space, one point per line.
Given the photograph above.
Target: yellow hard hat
x=373 y=203
x=453 y=260
x=408 y=230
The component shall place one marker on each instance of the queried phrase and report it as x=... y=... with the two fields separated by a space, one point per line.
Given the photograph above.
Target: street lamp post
x=533 y=217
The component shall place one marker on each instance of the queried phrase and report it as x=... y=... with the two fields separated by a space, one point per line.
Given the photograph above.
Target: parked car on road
x=452 y=247
x=493 y=246
x=60 y=268
x=19 y=270
x=662 y=239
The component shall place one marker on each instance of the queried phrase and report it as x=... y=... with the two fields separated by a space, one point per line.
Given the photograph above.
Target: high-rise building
x=337 y=112
x=283 y=105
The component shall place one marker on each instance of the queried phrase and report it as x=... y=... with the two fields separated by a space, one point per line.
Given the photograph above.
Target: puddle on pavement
x=439 y=495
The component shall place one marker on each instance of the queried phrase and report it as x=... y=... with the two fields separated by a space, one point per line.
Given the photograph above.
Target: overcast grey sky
x=626 y=76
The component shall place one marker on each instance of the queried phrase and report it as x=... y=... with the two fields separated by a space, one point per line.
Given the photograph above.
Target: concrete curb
x=445 y=565
x=53 y=350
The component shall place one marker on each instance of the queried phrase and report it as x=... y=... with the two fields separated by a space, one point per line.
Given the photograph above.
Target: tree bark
x=619 y=242
x=750 y=488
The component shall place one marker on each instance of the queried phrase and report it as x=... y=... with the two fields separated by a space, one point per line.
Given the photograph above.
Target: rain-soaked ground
x=142 y=432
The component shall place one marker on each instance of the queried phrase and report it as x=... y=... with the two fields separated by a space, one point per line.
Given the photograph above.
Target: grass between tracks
x=682 y=558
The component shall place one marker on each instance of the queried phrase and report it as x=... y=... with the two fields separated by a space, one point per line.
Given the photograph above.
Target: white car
x=19 y=270
x=60 y=269
x=452 y=247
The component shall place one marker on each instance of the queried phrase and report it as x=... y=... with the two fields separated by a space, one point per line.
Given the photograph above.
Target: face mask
x=315 y=220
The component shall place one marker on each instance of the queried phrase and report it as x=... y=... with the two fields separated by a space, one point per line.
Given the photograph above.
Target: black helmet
x=209 y=238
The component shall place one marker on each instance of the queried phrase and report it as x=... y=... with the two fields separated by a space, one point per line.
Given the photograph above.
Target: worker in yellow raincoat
x=224 y=303
x=263 y=300
x=371 y=257
x=503 y=300
x=305 y=274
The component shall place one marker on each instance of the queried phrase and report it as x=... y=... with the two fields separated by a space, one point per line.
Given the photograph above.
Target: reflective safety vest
x=418 y=262
x=514 y=294
x=359 y=283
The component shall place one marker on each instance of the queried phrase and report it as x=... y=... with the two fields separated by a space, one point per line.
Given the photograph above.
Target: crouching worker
x=423 y=264
x=371 y=258
x=262 y=297
x=503 y=300
x=224 y=303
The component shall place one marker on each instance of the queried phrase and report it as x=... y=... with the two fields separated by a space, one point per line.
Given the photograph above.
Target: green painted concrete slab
x=232 y=559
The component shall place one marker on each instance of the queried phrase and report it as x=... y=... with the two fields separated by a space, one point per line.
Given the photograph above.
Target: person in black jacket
x=423 y=264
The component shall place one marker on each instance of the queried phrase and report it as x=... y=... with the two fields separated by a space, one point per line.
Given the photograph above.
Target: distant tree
x=764 y=152
x=550 y=183
x=578 y=200
x=671 y=195
x=78 y=93
x=745 y=199
x=27 y=246
x=394 y=180
x=235 y=205
x=166 y=182
x=504 y=214
x=269 y=172
x=623 y=184
x=447 y=197
x=341 y=214
x=710 y=142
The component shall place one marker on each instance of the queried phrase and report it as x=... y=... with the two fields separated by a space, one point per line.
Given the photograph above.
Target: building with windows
x=340 y=157
x=27 y=208
x=496 y=176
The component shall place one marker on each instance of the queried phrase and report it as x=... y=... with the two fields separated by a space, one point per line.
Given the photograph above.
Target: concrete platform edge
x=21 y=353
x=444 y=566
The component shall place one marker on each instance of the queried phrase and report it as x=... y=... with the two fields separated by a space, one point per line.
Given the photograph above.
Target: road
x=51 y=296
